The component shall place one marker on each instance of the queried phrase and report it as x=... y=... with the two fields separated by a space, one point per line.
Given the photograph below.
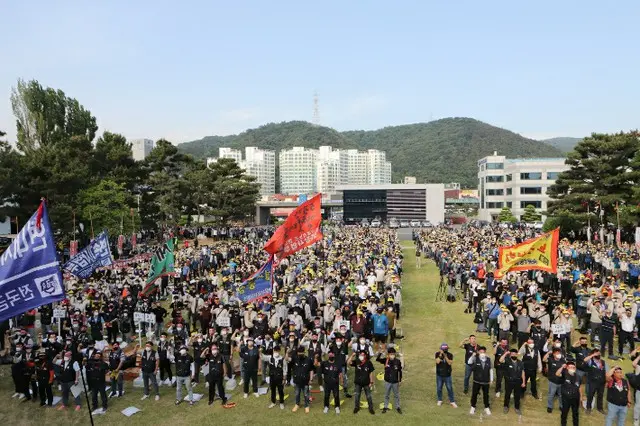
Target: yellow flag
x=539 y=253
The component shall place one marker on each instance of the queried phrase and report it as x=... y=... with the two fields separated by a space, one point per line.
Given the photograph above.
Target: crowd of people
x=561 y=325
x=330 y=323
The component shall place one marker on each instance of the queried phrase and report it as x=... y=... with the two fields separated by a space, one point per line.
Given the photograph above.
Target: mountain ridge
x=445 y=150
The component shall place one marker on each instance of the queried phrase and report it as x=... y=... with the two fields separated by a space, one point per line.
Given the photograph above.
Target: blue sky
x=184 y=70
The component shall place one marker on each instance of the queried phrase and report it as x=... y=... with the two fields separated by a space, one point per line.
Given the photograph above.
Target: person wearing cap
x=183 y=374
x=570 y=391
x=117 y=359
x=532 y=366
x=595 y=319
x=514 y=379
x=596 y=377
x=69 y=376
x=555 y=360
x=18 y=370
x=627 y=320
x=302 y=372
x=44 y=376
x=607 y=332
x=380 y=328
x=444 y=360
x=363 y=379
x=96 y=375
x=250 y=356
x=482 y=378
x=165 y=354
x=331 y=373
x=342 y=351
x=498 y=351
x=618 y=396
x=149 y=366
x=275 y=366
x=470 y=346
x=392 y=378
x=216 y=364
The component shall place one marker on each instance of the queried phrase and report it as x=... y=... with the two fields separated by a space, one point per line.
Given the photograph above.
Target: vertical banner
x=120 y=244
x=134 y=241
x=618 y=238
x=637 y=241
x=73 y=249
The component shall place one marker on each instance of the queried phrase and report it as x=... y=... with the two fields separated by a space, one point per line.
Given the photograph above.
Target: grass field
x=426 y=325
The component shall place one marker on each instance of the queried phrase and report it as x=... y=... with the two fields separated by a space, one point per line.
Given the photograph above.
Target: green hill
x=445 y=150
x=563 y=144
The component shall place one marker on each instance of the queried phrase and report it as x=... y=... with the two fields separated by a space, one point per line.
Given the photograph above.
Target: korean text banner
x=300 y=230
x=162 y=264
x=258 y=285
x=29 y=269
x=96 y=255
x=539 y=253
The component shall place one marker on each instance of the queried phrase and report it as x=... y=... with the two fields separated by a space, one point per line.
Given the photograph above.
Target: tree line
x=97 y=181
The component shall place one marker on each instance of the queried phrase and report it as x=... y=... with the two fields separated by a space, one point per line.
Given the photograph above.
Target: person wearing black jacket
x=392 y=378
x=302 y=372
x=580 y=351
x=331 y=373
x=149 y=364
x=532 y=365
x=571 y=392
x=514 y=379
x=276 y=377
x=596 y=377
x=363 y=379
x=96 y=375
x=116 y=362
x=555 y=360
x=198 y=358
x=250 y=356
x=341 y=350
x=44 y=376
x=482 y=378
x=183 y=374
x=216 y=373
x=165 y=349
x=224 y=346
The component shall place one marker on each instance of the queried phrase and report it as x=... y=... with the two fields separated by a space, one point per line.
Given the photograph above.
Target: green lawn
x=426 y=325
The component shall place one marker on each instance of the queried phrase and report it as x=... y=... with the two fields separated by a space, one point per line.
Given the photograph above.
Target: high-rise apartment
x=141 y=148
x=298 y=170
x=259 y=163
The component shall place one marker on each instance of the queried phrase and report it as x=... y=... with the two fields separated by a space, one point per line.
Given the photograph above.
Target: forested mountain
x=445 y=150
x=563 y=144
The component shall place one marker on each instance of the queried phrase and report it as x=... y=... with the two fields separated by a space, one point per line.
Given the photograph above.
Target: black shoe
x=549 y=410
x=178 y=402
x=42 y=404
x=371 y=410
x=355 y=410
x=348 y=395
x=588 y=411
x=210 y=402
x=601 y=411
x=466 y=391
x=399 y=410
x=384 y=410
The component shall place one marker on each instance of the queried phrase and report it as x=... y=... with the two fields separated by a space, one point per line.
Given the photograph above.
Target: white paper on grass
x=196 y=397
x=130 y=411
x=231 y=384
x=56 y=400
x=262 y=391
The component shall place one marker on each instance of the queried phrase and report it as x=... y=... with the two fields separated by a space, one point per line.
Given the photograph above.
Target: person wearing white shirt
x=627 y=322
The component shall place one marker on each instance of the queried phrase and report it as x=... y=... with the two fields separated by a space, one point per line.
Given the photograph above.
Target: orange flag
x=300 y=230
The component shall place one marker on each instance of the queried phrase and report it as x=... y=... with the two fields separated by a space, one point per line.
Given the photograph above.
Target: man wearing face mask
x=276 y=377
x=97 y=374
x=341 y=350
x=69 y=376
x=532 y=366
x=482 y=378
x=363 y=379
x=555 y=361
x=571 y=392
x=500 y=350
x=392 y=379
x=116 y=361
x=250 y=356
x=331 y=374
x=180 y=337
x=514 y=379
x=165 y=354
x=607 y=331
x=198 y=345
x=216 y=373
x=18 y=369
x=315 y=354
x=596 y=370
x=183 y=374
x=51 y=346
x=580 y=351
x=225 y=346
x=444 y=360
x=149 y=364
x=45 y=376
x=302 y=372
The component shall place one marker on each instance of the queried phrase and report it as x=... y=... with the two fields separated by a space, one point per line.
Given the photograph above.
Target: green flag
x=162 y=263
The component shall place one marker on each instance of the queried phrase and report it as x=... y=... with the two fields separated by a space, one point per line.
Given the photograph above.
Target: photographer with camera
x=444 y=360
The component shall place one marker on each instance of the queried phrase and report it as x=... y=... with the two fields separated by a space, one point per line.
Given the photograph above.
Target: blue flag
x=92 y=257
x=258 y=285
x=29 y=269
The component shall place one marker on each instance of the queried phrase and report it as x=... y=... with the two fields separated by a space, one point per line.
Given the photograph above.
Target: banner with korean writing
x=29 y=269
x=539 y=253
x=120 y=244
x=96 y=255
x=258 y=285
x=162 y=264
x=73 y=248
x=300 y=230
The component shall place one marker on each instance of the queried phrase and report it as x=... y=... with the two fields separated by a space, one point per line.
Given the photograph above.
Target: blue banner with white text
x=258 y=285
x=96 y=255
x=29 y=269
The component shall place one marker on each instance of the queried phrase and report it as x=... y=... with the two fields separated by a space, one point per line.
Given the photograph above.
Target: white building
x=141 y=148
x=357 y=166
x=332 y=169
x=515 y=183
x=410 y=180
x=378 y=168
x=259 y=163
x=298 y=170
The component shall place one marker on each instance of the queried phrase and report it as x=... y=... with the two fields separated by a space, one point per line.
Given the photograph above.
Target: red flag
x=134 y=241
x=300 y=230
x=120 y=243
x=73 y=248
x=39 y=215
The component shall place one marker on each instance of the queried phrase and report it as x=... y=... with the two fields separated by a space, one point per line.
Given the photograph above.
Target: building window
x=509 y=178
x=531 y=176
x=536 y=204
x=495 y=166
x=509 y=204
x=531 y=190
x=509 y=191
x=495 y=179
x=552 y=175
x=495 y=191
x=494 y=205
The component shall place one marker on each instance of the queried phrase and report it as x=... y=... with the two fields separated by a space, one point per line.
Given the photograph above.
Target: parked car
x=404 y=224
x=393 y=224
x=364 y=222
x=375 y=223
x=426 y=224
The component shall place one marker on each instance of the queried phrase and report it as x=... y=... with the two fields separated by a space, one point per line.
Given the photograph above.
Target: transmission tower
x=316 y=110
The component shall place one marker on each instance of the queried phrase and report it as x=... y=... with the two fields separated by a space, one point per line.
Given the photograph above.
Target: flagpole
x=588 y=223
x=91 y=220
